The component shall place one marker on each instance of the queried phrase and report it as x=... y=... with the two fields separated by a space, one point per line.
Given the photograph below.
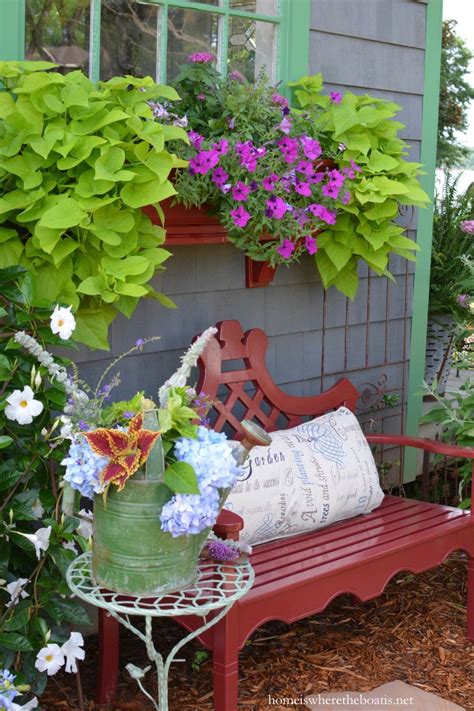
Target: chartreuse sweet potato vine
x=78 y=161
x=365 y=229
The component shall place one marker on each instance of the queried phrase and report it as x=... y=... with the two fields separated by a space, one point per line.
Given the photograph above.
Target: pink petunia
x=240 y=191
x=270 y=181
x=303 y=188
x=240 y=216
x=219 y=177
x=311 y=147
x=196 y=139
x=335 y=97
x=310 y=244
x=286 y=249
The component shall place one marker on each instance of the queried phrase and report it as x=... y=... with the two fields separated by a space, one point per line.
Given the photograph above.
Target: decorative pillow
x=310 y=476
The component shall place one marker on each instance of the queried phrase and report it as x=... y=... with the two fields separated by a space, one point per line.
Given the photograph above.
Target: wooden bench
x=297 y=577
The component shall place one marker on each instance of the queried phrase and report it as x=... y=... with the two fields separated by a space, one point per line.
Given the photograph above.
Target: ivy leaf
x=181 y=478
x=5 y=441
x=92 y=326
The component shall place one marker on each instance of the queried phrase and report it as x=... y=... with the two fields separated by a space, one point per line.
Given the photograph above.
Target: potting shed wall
x=315 y=337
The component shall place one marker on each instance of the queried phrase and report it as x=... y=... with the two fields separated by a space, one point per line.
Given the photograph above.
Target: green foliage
x=455 y=413
x=452 y=265
x=29 y=455
x=77 y=164
x=456 y=94
x=365 y=226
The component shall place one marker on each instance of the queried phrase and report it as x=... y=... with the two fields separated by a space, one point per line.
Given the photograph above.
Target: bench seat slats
x=392 y=511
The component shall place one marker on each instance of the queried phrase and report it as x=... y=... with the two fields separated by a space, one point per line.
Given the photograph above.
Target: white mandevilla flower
x=85 y=528
x=70 y=546
x=40 y=539
x=33 y=704
x=16 y=592
x=38 y=509
x=63 y=322
x=73 y=650
x=22 y=406
x=50 y=659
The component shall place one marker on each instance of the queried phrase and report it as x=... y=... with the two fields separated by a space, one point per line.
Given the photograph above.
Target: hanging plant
x=325 y=178
x=78 y=161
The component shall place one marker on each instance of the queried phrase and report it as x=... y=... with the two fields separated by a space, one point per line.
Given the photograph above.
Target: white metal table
x=216 y=589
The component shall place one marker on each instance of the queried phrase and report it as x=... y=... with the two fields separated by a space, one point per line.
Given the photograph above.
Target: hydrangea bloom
x=7 y=689
x=467 y=226
x=213 y=461
x=83 y=468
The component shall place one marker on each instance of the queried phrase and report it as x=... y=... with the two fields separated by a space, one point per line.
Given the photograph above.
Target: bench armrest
x=428 y=445
x=228 y=525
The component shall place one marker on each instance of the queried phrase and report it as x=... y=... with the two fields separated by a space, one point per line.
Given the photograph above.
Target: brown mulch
x=415 y=632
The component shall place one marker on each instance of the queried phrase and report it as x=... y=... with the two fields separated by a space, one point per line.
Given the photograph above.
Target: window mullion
x=94 y=40
x=223 y=39
x=162 y=54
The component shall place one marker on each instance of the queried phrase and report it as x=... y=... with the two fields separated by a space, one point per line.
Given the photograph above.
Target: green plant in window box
x=78 y=161
x=333 y=167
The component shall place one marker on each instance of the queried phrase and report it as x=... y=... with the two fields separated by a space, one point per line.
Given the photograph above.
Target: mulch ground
x=415 y=632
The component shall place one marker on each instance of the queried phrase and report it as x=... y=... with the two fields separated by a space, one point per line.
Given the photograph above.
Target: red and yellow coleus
x=127 y=450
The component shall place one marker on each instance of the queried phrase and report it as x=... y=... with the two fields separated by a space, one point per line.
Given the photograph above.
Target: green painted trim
x=294 y=40
x=434 y=24
x=216 y=9
x=94 y=40
x=12 y=29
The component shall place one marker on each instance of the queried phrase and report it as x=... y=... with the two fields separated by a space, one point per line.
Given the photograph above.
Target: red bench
x=297 y=577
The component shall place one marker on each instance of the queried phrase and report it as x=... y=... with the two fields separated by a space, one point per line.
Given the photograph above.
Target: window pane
x=189 y=31
x=128 y=38
x=208 y=2
x=263 y=7
x=58 y=31
x=251 y=47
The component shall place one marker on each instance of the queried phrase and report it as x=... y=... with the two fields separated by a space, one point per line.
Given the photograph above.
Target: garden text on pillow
x=310 y=476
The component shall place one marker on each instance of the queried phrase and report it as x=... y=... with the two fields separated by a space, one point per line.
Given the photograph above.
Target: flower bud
x=38 y=380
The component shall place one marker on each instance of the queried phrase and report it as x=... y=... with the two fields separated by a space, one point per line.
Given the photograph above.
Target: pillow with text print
x=309 y=477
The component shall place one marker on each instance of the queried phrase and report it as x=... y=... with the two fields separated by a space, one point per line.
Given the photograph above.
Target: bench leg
x=470 y=598
x=226 y=663
x=109 y=646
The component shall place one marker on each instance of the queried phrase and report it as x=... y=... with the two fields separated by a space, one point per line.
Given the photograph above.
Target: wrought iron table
x=216 y=588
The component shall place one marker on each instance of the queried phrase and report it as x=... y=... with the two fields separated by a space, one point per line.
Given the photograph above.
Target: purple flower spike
x=139 y=343
x=220 y=551
x=83 y=426
x=129 y=414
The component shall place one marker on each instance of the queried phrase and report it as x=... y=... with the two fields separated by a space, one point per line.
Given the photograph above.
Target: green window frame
x=291 y=19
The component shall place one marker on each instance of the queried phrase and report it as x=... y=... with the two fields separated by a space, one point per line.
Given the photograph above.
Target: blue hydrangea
x=7 y=690
x=213 y=461
x=83 y=467
x=190 y=513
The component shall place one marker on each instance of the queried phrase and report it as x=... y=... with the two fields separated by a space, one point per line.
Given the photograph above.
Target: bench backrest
x=234 y=375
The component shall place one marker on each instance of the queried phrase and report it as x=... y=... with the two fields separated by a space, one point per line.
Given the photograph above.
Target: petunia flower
x=73 y=649
x=22 y=406
x=241 y=191
x=219 y=177
x=311 y=147
x=270 y=181
x=204 y=161
x=310 y=244
x=330 y=190
x=323 y=213
x=305 y=167
x=49 y=659
x=196 y=139
x=303 y=188
x=285 y=125
x=276 y=207
x=240 y=216
x=127 y=450
x=286 y=249
x=63 y=322
x=335 y=97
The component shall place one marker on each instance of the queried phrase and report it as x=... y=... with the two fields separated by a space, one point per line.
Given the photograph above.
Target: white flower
x=85 y=528
x=15 y=589
x=38 y=509
x=40 y=539
x=73 y=650
x=33 y=704
x=50 y=659
x=22 y=406
x=188 y=362
x=66 y=429
x=63 y=322
x=70 y=546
